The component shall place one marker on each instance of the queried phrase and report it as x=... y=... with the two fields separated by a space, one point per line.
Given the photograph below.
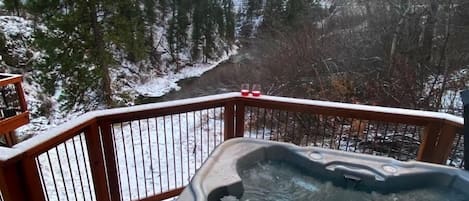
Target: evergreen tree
x=294 y=9
x=274 y=11
x=219 y=19
x=150 y=19
x=207 y=32
x=230 y=20
x=198 y=20
x=171 y=37
x=78 y=39
x=297 y=11
x=183 y=8
x=253 y=8
x=126 y=28
x=13 y=6
x=149 y=7
x=211 y=19
x=81 y=36
x=163 y=7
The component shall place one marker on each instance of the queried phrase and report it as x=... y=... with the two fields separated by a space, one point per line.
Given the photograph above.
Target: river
x=226 y=77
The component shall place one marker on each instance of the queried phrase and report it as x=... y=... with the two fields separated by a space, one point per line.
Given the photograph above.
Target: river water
x=226 y=77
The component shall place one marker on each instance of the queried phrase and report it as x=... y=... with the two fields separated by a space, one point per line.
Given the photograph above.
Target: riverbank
x=157 y=87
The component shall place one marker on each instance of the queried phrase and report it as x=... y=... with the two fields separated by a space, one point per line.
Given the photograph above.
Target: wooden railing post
x=111 y=165
x=229 y=121
x=12 y=183
x=21 y=97
x=10 y=139
x=20 y=181
x=33 y=179
x=97 y=164
x=240 y=110
x=436 y=144
x=445 y=143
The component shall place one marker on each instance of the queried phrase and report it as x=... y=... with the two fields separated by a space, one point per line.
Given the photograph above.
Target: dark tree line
x=208 y=20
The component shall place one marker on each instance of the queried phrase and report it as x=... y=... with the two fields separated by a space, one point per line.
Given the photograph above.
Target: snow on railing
x=151 y=151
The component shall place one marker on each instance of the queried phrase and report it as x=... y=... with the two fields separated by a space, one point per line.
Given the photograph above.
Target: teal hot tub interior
x=248 y=169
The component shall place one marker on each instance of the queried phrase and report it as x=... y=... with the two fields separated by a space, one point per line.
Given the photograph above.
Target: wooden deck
x=149 y=152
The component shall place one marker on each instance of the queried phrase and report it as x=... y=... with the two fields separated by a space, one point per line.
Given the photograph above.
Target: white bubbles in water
x=273 y=180
x=229 y=198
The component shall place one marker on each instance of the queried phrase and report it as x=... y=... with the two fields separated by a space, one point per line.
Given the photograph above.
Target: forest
x=81 y=42
x=83 y=55
x=411 y=54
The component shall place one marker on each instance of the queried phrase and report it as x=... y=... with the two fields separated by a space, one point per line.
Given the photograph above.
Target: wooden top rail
x=66 y=131
x=57 y=135
x=437 y=137
x=20 y=177
x=13 y=116
x=366 y=112
x=6 y=79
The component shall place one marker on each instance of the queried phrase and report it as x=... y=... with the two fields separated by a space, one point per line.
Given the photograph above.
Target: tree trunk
x=100 y=53
x=428 y=31
x=395 y=38
x=444 y=56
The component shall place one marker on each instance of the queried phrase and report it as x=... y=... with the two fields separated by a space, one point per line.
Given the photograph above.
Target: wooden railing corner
x=20 y=180
x=110 y=159
x=97 y=162
x=437 y=142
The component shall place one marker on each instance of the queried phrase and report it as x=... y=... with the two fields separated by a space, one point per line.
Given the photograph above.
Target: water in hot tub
x=272 y=180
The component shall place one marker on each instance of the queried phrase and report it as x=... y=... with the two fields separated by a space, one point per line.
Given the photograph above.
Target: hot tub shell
x=218 y=176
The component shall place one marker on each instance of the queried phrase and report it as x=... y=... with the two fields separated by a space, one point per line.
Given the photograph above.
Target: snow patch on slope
x=161 y=85
x=132 y=78
x=17 y=33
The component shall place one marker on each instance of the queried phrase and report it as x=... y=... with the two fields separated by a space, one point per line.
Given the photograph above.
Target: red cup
x=256 y=90
x=245 y=89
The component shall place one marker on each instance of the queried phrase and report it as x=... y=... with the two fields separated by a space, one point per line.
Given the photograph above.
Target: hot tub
x=249 y=169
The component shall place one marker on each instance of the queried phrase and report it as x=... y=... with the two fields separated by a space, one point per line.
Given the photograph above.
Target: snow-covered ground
x=65 y=170
x=46 y=110
x=451 y=101
x=159 y=86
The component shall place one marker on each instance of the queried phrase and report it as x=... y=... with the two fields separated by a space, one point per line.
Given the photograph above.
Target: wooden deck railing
x=13 y=108
x=150 y=152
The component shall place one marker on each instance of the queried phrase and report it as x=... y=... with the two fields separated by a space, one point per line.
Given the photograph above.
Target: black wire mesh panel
x=399 y=141
x=9 y=101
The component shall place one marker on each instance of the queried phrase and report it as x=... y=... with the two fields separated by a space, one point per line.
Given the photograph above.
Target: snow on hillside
x=14 y=27
x=326 y=3
x=67 y=173
x=451 y=101
x=18 y=34
x=161 y=85
x=237 y=5
x=128 y=78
